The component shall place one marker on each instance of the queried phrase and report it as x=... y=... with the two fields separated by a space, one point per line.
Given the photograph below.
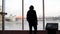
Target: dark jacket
x=32 y=17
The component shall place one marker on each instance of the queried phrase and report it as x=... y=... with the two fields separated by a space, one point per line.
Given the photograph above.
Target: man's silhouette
x=32 y=19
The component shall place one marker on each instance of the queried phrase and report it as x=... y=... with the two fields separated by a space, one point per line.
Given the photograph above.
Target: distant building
x=10 y=18
x=18 y=18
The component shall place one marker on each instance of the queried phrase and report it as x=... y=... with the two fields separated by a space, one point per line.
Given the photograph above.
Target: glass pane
x=0 y=22
x=13 y=19
x=52 y=12
x=38 y=7
x=0 y=15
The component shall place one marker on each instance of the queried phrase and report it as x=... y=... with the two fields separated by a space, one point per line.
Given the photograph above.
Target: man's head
x=31 y=7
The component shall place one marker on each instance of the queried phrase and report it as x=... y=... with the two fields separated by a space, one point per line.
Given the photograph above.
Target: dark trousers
x=30 y=29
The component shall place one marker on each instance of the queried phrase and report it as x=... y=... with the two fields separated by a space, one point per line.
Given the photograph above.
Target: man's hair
x=31 y=7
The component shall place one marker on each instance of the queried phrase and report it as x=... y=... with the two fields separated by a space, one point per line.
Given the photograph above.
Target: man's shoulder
x=34 y=11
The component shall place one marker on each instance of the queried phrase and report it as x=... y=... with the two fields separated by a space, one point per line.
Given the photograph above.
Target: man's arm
x=36 y=18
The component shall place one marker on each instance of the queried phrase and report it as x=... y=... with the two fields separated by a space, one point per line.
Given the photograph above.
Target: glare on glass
x=52 y=12
x=13 y=19
x=38 y=7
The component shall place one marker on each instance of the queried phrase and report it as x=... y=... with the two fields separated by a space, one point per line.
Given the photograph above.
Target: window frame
x=22 y=15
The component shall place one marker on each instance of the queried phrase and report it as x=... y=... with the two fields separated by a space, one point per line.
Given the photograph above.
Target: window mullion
x=22 y=14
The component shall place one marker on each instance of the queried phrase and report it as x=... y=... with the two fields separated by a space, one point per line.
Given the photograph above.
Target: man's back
x=31 y=15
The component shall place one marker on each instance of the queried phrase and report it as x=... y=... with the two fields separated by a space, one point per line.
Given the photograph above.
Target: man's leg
x=30 y=29
x=35 y=29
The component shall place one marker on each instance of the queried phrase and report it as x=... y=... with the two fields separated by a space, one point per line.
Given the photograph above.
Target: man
x=32 y=19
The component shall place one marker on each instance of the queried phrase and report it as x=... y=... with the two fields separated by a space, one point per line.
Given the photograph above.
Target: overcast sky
x=52 y=7
x=0 y=2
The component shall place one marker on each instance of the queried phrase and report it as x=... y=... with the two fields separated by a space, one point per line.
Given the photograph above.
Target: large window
x=17 y=10
x=38 y=7
x=52 y=11
x=0 y=15
x=13 y=19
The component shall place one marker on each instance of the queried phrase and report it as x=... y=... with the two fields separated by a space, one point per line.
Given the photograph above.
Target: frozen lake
x=17 y=25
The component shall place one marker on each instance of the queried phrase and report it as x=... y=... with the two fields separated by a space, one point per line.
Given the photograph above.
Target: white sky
x=13 y=7
x=0 y=5
x=0 y=2
x=52 y=7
